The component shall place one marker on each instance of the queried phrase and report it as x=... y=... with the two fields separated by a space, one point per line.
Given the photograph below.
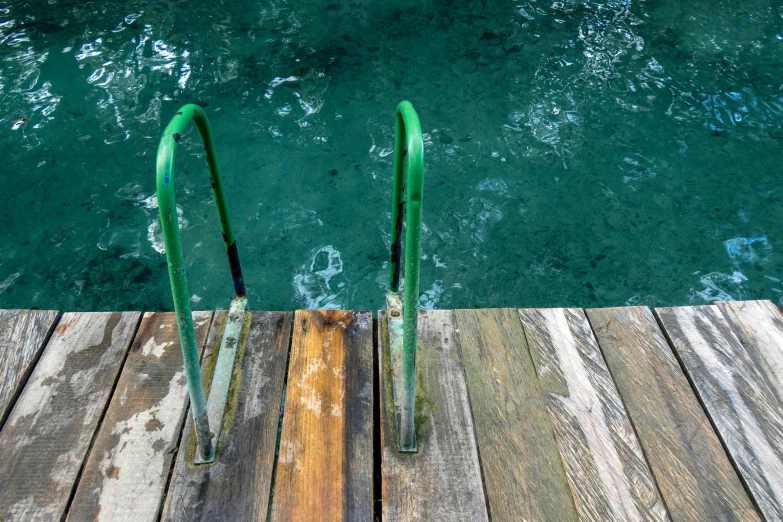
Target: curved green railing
x=402 y=320
x=203 y=413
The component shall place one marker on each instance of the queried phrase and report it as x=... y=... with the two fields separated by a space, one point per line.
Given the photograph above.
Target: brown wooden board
x=692 y=470
x=44 y=443
x=742 y=407
x=608 y=474
x=325 y=466
x=23 y=334
x=443 y=480
x=523 y=471
x=128 y=467
x=237 y=485
x=759 y=326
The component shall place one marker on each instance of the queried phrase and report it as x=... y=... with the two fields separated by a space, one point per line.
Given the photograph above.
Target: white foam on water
x=493 y=185
x=747 y=250
x=313 y=284
x=482 y=214
x=719 y=287
x=9 y=281
x=431 y=297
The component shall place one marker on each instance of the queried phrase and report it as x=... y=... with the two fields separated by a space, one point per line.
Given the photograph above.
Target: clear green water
x=577 y=153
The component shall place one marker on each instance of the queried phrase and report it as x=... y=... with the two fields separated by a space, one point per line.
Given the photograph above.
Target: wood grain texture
x=693 y=472
x=759 y=327
x=22 y=337
x=128 y=467
x=237 y=485
x=324 y=471
x=609 y=477
x=46 y=438
x=443 y=480
x=523 y=471
x=748 y=418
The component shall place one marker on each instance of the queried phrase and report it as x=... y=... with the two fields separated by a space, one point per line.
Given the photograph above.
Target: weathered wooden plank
x=237 y=485
x=693 y=472
x=46 y=438
x=324 y=471
x=744 y=410
x=609 y=477
x=443 y=480
x=759 y=327
x=523 y=471
x=22 y=337
x=128 y=467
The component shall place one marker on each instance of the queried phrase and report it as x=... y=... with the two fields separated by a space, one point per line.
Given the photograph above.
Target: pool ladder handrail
x=402 y=313
x=205 y=415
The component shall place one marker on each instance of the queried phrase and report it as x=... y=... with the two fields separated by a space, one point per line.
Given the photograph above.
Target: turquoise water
x=577 y=153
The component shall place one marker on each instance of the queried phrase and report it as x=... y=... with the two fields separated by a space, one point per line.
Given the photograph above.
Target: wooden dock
x=531 y=414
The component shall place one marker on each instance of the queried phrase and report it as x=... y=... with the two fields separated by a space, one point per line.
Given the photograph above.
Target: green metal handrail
x=203 y=414
x=403 y=316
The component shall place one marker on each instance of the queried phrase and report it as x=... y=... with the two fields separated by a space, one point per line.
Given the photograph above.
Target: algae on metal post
x=388 y=387
x=208 y=363
x=232 y=399
x=207 y=371
x=423 y=405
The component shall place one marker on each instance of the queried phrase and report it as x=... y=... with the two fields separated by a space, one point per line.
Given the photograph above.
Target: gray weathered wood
x=692 y=470
x=128 y=467
x=609 y=477
x=22 y=337
x=523 y=471
x=46 y=438
x=443 y=480
x=237 y=485
x=759 y=326
x=744 y=410
x=324 y=471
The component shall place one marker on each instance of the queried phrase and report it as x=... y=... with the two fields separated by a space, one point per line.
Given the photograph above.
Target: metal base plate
x=403 y=405
x=221 y=380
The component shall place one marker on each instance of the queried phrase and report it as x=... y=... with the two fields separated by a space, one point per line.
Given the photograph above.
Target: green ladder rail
x=205 y=415
x=402 y=314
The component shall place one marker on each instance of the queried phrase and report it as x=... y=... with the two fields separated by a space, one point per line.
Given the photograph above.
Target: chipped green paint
x=407 y=194
x=167 y=207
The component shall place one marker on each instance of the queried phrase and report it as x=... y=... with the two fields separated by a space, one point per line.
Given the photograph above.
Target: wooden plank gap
x=23 y=336
x=127 y=469
x=609 y=476
x=522 y=469
x=442 y=481
x=279 y=432
x=742 y=409
x=181 y=431
x=237 y=485
x=47 y=437
x=376 y=428
x=100 y=421
x=323 y=466
x=759 y=327
x=695 y=477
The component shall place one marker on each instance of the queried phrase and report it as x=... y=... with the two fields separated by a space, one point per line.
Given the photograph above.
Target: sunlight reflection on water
x=577 y=153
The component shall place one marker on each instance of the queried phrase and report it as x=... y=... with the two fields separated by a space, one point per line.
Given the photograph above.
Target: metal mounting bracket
x=221 y=380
